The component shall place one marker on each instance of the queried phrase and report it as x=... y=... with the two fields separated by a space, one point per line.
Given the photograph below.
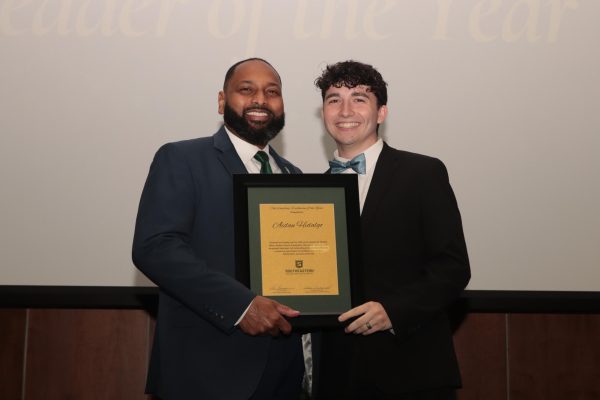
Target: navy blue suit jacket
x=184 y=242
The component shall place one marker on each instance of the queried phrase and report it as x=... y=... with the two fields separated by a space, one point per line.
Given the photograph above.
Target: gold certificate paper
x=298 y=249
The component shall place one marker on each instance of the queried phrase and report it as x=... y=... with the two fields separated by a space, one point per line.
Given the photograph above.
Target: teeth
x=347 y=124
x=257 y=113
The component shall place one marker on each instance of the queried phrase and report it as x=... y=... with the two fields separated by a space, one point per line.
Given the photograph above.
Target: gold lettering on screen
x=242 y=21
x=298 y=249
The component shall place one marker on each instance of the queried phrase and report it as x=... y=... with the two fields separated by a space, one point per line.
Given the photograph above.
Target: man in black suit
x=214 y=338
x=398 y=344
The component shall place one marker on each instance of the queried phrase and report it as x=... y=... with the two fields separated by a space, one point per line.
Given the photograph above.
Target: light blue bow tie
x=358 y=164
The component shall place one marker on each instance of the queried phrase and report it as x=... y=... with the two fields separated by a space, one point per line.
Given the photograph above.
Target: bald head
x=233 y=68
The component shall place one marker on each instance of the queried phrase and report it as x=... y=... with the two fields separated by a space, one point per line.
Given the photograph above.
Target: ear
x=221 y=102
x=382 y=114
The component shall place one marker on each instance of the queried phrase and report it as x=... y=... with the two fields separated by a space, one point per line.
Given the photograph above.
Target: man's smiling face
x=351 y=116
x=252 y=103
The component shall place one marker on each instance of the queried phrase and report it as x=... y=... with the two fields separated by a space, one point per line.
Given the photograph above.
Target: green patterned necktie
x=263 y=158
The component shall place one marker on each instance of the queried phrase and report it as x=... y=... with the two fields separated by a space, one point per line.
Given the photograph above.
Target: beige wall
x=505 y=92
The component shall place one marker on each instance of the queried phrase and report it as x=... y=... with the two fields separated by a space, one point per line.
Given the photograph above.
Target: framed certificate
x=297 y=242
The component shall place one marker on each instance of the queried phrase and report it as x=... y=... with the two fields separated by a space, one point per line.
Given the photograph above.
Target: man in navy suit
x=214 y=338
x=398 y=344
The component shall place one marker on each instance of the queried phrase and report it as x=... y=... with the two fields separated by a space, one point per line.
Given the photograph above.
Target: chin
x=257 y=126
x=345 y=141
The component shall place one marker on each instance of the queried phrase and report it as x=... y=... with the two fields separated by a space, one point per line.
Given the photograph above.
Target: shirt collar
x=371 y=155
x=245 y=150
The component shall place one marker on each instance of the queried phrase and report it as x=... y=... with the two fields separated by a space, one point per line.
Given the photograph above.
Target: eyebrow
x=359 y=94
x=251 y=82
x=353 y=94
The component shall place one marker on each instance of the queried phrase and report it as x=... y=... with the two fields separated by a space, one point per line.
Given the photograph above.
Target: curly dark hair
x=351 y=74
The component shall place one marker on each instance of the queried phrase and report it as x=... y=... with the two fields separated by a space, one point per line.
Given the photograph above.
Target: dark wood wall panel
x=151 y=331
x=480 y=343
x=86 y=354
x=554 y=357
x=12 y=351
x=103 y=354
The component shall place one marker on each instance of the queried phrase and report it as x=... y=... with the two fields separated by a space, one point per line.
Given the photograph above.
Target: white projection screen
x=505 y=92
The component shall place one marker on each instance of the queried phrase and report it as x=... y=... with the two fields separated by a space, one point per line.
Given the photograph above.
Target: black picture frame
x=251 y=190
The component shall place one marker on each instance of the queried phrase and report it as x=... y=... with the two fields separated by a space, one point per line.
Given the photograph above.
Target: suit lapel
x=384 y=169
x=227 y=154
x=231 y=160
x=281 y=163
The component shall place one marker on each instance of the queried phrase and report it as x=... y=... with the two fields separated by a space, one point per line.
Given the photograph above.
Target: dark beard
x=256 y=136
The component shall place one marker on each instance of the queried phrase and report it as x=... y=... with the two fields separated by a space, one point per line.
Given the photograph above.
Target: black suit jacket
x=184 y=242
x=415 y=264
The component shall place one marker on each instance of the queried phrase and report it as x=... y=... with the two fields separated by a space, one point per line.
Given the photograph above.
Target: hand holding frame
x=266 y=316
x=372 y=318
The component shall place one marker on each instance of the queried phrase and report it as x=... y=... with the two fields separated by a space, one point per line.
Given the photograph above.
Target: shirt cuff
x=243 y=314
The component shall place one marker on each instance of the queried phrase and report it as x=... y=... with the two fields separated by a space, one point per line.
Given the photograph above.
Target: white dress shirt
x=364 y=181
x=246 y=152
